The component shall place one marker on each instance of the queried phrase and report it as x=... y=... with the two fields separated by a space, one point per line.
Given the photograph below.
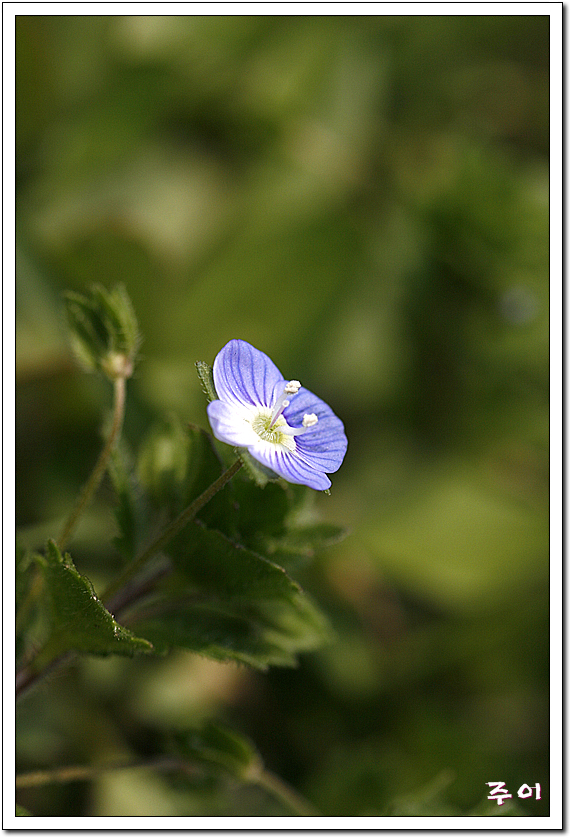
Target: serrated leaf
x=215 y=564
x=222 y=632
x=258 y=633
x=299 y=544
x=80 y=621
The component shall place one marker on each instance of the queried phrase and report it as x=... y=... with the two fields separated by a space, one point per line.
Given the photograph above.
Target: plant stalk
x=74 y=773
x=185 y=517
x=284 y=793
x=119 y=594
x=119 y=388
x=271 y=783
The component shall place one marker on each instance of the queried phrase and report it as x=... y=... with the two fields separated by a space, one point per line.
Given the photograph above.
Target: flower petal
x=324 y=446
x=230 y=424
x=243 y=375
x=289 y=465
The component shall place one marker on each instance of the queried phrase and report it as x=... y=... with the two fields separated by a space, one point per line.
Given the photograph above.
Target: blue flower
x=283 y=425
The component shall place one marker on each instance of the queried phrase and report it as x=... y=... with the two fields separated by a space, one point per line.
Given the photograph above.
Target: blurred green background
x=365 y=199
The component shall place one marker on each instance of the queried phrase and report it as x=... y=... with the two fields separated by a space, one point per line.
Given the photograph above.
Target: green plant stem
x=284 y=793
x=73 y=773
x=271 y=783
x=32 y=672
x=171 y=531
x=119 y=387
x=119 y=594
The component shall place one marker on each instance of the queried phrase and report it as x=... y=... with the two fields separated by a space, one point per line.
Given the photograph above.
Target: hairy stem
x=96 y=476
x=271 y=783
x=122 y=593
x=73 y=773
x=171 y=531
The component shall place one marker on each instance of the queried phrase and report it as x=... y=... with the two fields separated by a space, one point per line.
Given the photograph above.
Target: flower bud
x=103 y=331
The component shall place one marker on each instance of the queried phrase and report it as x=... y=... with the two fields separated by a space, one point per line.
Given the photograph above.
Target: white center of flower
x=272 y=431
x=272 y=427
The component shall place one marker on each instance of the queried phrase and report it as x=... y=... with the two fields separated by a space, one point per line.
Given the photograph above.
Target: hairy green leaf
x=215 y=564
x=176 y=464
x=131 y=509
x=228 y=632
x=80 y=621
x=204 y=371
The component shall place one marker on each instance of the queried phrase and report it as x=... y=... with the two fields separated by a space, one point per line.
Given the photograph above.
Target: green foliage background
x=365 y=199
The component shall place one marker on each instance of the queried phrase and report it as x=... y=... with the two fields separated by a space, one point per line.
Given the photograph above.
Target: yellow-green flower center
x=262 y=425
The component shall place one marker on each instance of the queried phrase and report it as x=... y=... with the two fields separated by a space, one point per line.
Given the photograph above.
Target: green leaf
x=31 y=615
x=80 y=621
x=23 y=576
x=176 y=464
x=220 y=746
x=260 y=513
x=297 y=624
x=260 y=634
x=260 y=474
x=204 y=371
x=218 y=631
x=215 y=564
x=131 y=509
x=118 y=312
x=226 y=599
x=299 y=544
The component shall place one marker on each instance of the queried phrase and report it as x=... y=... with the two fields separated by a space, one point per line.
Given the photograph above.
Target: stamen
x=309 y=421
x=282 y=402
x=292 y=387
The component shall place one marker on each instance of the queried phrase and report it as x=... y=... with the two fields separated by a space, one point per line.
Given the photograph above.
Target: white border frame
x=555 y=820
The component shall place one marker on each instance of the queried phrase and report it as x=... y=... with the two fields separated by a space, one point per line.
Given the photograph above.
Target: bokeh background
x=364 y=198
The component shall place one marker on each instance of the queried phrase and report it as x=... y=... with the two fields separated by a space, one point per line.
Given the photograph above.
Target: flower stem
x=119 y=594
x=171 y=531
x=101 y=464
x=271 y=783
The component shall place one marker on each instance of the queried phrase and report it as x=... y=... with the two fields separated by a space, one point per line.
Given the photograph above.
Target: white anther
x=309 y=420
x=292 y=387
